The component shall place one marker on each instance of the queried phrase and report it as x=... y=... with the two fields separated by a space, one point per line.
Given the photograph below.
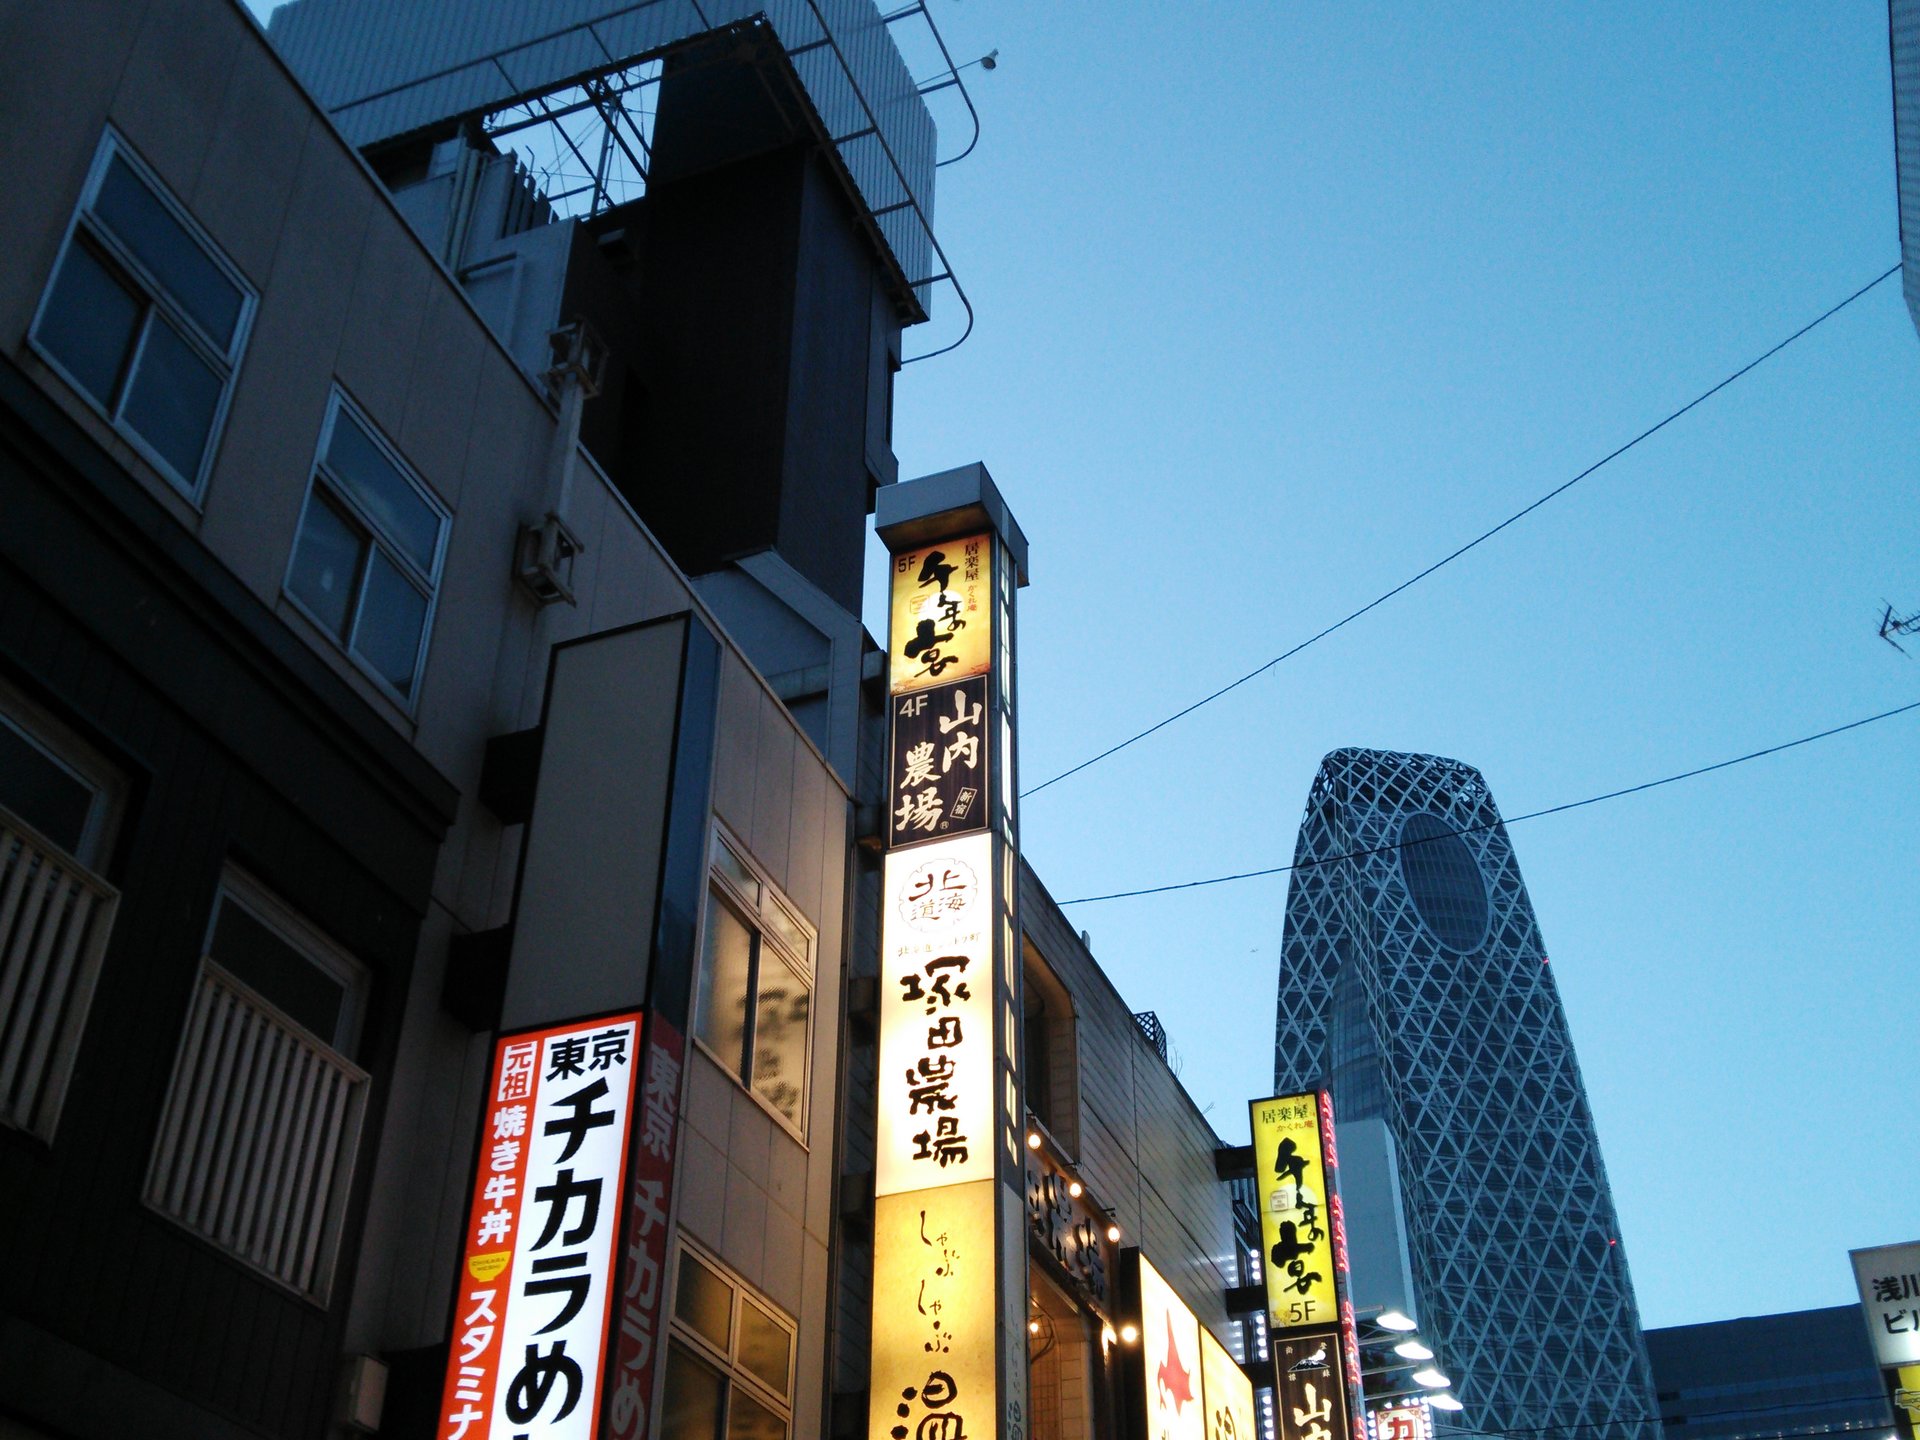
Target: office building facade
x=430 y=614
x=1414 y=980
x=1764 y=1377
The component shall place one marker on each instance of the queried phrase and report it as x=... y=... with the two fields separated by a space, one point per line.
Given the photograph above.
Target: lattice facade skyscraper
x=1413 y=976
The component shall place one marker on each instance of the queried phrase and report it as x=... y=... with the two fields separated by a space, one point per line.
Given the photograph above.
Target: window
x=729 y=1359
x=755 y=1003
x=145 y=317
x=262 y=1116
x=59 y=803
x=1049 y=1059
x=367 y=559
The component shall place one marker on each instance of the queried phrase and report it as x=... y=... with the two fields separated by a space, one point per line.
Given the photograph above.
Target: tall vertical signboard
x=949 y=1293
x=1310 y=1325
x=561 y=1288
x=1187 y=1387
x=1889 y=1281
x=535 y=1308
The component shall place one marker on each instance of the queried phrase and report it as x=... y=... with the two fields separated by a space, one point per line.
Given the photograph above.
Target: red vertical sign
x=644 y=1264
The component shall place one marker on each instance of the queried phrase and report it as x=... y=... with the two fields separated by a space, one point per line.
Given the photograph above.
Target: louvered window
x=262 y=1117
x=58 y=807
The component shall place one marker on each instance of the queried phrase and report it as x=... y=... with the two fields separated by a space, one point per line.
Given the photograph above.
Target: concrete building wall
x=1144 y=1147
x=349 y=297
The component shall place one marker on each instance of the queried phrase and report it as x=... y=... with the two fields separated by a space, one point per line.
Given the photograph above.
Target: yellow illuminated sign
x=942 y=613
x=1170 y=1347
x=1297 y=1226
x=1227 y=1391
x=1906 y=1398
x=935 y=1330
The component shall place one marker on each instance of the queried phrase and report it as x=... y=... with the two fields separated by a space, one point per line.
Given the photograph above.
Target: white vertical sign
x=531 y=1322
x=936 y=1120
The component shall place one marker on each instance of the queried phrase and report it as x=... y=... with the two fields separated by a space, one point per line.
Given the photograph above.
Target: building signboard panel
x=942 y=608
x=1227 y=1391
x=936 y=1104
x=1311 y=1388
x=950 y=1115
x=649 y=1197
x=935 y=1330
x=938 y=785
x=1889 y=1281
x=1297 y=1229
x=1404 y=1420
x=535 y=1297
x=1066 y=1227
x=1903 y=1388
x=1170 y=1350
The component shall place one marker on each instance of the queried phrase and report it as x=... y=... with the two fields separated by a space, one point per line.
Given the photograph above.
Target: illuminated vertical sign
x=941 y=614
x=535 y=1299
x=1227 y=1391
x=1304 y=1255
x=949 y=1294
x=649 y=1193
x=1310 y=1387
x=1889 y=1281
x=936 y=1124
x=938 y=785
x=1903 y=1388
x=1171 y=1368
x=1404 y=1420
x=1297 y=1218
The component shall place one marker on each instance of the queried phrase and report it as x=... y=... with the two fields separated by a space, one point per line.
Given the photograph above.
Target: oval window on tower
x=1441 y=876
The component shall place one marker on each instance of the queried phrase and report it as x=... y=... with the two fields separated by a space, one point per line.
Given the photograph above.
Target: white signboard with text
x=1889 y=1280
x=530 y=1323
x=936 y=1113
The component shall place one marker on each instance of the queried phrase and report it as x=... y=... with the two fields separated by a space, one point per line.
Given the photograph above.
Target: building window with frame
x=366 y=562
x=145 y=316
x=262 y=1117
x=59 y=808
x=754 y=1006
x=729 y=1359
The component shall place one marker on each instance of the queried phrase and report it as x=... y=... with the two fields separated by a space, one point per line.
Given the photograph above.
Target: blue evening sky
x=1279 y=303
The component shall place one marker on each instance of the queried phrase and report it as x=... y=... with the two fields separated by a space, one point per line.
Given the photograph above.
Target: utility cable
x=1477 y=540
x=1510 y=820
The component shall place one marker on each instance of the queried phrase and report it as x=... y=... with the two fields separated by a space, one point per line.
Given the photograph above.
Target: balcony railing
x=55 y=917
x=258 y=1135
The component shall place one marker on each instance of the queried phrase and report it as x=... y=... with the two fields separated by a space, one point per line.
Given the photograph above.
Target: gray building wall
x=1760 y=1377
x=1143 y=1147
x=349 y=296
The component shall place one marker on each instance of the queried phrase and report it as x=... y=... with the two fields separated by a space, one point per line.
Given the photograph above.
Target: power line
x=1477 y=540
x=1511 y=820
